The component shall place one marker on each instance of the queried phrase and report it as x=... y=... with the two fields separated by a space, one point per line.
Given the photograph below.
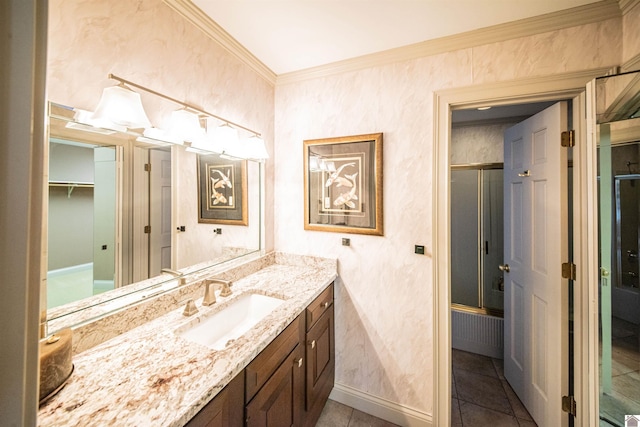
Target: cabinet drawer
x=266 y=363
x=319 y=306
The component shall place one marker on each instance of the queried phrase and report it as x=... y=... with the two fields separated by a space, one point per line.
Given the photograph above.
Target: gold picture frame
x=222 y=190
x=343 y=184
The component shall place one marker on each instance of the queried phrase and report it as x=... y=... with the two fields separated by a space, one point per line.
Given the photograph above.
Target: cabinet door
x=280 y=402
x=226 y=409
x=320 y=350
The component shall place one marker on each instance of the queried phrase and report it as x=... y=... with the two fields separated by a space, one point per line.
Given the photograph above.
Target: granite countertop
x=151 y=376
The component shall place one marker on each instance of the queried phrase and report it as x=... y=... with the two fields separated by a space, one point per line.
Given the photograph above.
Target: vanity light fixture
x=185 y=126
x=255 y=148
x=83 y=121
x=157 y=136
x=314 y=163
x=224 y=140
x=121 y=106
x=320 y=164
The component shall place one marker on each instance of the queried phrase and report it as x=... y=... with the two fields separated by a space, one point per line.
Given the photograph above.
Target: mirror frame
x=101 y=305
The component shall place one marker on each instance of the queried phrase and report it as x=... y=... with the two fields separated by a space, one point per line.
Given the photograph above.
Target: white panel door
x=159 y=211
x=535 y=245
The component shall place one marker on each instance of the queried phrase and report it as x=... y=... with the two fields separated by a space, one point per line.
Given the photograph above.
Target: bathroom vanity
x=278 y=372
x=272 y=387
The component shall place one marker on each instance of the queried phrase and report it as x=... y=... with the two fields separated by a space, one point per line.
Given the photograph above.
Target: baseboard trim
x=381 y=408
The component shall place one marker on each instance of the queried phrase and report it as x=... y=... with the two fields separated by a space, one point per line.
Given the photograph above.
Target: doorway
x=568 y=86
x=478 y=275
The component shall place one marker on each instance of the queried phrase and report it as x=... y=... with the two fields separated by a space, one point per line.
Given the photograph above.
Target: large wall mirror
x=618 y=119
x=101 y=199
x=123 y=209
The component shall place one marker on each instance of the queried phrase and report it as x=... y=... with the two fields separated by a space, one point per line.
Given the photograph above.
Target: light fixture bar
x=191 y=107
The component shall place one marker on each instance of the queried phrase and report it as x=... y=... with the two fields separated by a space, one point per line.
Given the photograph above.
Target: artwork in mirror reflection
x=222 y=190
x=109 y=215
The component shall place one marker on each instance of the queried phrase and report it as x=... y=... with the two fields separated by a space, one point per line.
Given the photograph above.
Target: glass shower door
x=618 y=120
x=476 y=238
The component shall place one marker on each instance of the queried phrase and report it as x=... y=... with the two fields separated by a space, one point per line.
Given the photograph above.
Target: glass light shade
x=255 y=148
x=121 y=106
x=185 y=126
x=201 y=145
x=331 y=166
x=161 y=135
x=314 y=166
x=225 y=140
x=82 y=121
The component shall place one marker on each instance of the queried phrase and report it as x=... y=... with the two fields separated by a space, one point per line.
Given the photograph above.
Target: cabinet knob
x=300 y=363
x=313 y=344
x=326 y=304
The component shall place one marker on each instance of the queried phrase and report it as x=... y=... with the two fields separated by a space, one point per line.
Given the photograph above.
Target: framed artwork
x=343 y=184
x=222 y=190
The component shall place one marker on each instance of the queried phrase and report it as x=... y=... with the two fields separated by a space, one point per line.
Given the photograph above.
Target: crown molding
x=587 y=14
x=632 y=64
x=197 y=17
x=627 y=5
x=582 y=15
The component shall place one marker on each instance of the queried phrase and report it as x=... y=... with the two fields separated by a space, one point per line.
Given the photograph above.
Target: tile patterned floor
x=336 y=414
x=625 y=396
x=480 y=395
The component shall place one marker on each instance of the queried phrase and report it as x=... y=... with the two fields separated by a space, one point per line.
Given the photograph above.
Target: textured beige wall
x=384 y=316
x=631 y=28
x=477 y=144
x=148 y=43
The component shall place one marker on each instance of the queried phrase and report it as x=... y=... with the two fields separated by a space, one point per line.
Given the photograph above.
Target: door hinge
x=567 y=139
x=568 y=270
x=147 y=229
x=147 y=167
x=569 y=405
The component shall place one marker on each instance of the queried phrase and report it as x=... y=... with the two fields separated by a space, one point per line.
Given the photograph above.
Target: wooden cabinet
x=288 y=383
x=280 y=402
x=320 y=355
x=226 y=409
x=275 y=381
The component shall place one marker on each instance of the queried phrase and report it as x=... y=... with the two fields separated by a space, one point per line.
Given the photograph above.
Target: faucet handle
x=190 y=309
x=225 y=289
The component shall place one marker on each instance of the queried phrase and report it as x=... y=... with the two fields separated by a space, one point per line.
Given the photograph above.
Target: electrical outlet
x=346 y=242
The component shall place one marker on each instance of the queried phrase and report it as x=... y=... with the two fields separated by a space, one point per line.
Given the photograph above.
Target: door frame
x=538 y=89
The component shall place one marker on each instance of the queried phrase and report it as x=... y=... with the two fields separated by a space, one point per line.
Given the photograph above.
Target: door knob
x=504 y=267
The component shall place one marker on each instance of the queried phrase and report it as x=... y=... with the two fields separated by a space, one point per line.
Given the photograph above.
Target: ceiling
x=292 y=35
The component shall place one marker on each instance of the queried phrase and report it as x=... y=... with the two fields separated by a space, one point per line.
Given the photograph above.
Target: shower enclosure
x=477 y=238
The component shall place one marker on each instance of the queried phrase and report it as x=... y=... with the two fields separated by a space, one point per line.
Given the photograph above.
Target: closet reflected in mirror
x=109 y=211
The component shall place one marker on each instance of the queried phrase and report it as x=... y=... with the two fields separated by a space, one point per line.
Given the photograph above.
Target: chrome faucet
x=210 y=286
x=175 y=273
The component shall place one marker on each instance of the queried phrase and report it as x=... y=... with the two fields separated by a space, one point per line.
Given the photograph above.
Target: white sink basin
x=233 y=321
